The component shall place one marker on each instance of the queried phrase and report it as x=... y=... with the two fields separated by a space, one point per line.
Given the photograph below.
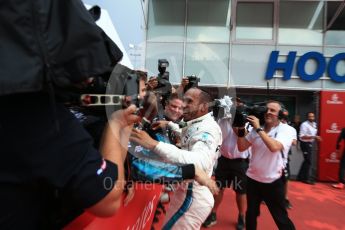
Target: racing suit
x=191 y=203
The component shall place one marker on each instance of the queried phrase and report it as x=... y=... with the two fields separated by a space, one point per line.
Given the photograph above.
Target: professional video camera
x=192 y=82
x=242 y=112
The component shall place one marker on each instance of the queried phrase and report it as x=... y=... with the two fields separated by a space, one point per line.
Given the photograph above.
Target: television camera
x=243 y=111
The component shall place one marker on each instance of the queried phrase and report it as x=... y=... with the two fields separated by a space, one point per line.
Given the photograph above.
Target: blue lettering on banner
x=288 y=65
x=332 y=67
x=318 y=57
x=273 y=65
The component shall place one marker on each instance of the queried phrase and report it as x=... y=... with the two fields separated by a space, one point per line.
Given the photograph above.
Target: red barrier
x=138 y=214
x=332 y=114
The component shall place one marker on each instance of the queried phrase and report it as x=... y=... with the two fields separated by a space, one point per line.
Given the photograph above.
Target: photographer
x=230 y=171
x=200 y=140
x=187 y=82
x=50 y=172
x=160 y=84
x=265 y=173
x=49 y=166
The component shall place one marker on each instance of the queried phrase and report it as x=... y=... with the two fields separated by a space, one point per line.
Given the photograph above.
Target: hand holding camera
x=152 y=83
x=243 y=112
x=184 y=82
x=125 y=117
x=254 y=121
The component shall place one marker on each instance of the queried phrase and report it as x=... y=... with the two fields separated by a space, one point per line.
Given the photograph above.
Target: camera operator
x=265 y=173
x=47 y=162
x=230 y=171
x=200 y=140
x=49 y=168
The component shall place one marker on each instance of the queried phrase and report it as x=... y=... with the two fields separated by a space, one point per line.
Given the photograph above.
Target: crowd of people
x=54 y=165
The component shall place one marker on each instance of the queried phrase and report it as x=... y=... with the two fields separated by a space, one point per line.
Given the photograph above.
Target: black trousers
x=342 y=169
x=305 y=170
x=274 y=197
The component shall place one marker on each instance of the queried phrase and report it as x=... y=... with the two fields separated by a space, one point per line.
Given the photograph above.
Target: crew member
x=265 y=173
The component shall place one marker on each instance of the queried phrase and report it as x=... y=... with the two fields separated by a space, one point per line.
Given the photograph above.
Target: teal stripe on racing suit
x=147 y=166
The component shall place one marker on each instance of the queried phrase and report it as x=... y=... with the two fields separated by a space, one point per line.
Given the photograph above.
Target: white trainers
x=338 y=186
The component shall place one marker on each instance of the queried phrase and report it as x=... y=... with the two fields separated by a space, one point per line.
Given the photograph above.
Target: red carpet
x=316 y=206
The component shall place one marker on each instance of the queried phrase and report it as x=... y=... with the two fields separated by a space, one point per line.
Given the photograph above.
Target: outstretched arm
x=203 y=148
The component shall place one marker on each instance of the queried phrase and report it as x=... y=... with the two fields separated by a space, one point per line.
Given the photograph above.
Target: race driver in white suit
x=200 y=139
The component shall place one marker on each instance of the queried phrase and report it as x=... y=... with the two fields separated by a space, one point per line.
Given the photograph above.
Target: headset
x=282 y=112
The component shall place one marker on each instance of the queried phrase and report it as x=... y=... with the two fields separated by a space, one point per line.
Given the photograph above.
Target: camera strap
x=275 y=135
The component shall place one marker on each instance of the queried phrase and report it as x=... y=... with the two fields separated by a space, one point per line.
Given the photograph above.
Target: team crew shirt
x=307 y=129
x=293 y=134
x=229 y=146
x=266 y=166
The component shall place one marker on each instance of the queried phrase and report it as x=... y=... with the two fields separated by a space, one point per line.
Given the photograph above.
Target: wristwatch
x=259 y=130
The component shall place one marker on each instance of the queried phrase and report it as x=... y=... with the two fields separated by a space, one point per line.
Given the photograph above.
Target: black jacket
x=54 y=41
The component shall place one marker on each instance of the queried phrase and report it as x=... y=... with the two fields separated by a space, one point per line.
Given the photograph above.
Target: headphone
x=282 y=111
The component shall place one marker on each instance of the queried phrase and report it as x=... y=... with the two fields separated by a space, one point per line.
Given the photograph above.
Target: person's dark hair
x=142 y=75
x=307 y=114
x=204 y=96
x=173 y=96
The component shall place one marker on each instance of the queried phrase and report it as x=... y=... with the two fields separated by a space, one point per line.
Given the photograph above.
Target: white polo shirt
x=229 y=148
x=293 y=134
x=266 y=166
x=307 y=128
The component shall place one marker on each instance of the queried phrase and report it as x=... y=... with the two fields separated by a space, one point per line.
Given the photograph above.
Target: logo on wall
x=333 y=128
x=335 y=100
x=332 y=158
